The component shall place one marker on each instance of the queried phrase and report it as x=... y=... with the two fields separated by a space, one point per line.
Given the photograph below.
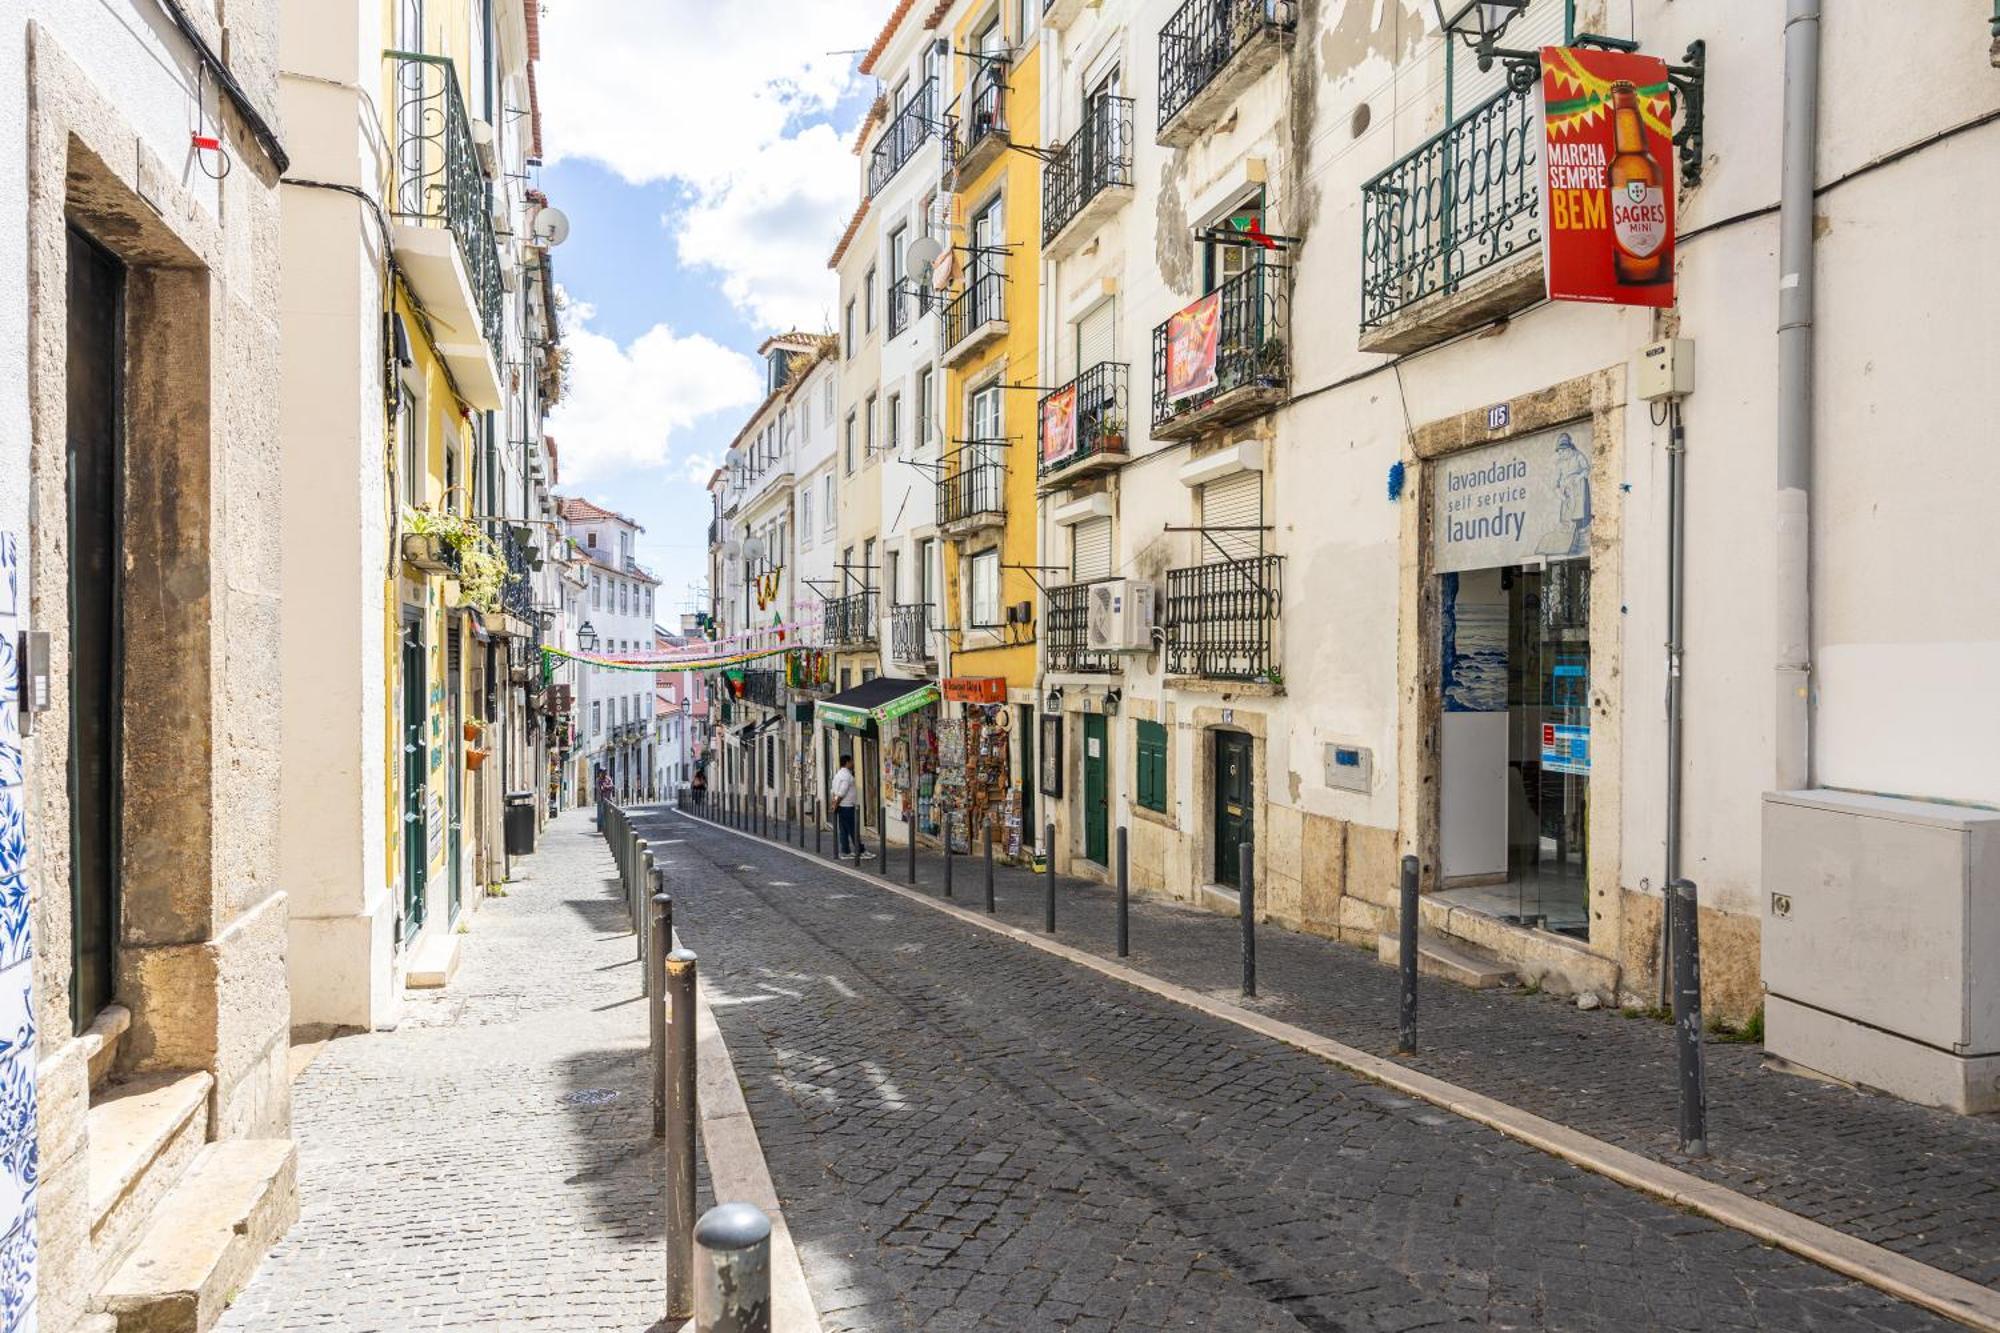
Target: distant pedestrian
x=699 y=788
x=846 y=809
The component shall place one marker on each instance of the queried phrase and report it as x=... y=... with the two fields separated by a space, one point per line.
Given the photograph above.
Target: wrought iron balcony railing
x=1098 y=157
x=1204 y=36
x=908 y=300
x=1222 y=619
x=851 y=619
x=1101 y=422
x=972 y=485
x=1065 y=630
x=517 y=590
x=1252 y=362
x=982 y=129
x=1462 y=202
x=905 y=134
x=763 y=685
x=438 y=181
x=981 y=302
x=910 y=632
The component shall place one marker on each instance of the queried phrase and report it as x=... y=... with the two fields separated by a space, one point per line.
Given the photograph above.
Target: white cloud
x=721 y=98
x=696 y=469
x=622 y=405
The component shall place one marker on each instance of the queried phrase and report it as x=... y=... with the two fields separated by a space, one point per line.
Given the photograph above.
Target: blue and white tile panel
x=19 y=1169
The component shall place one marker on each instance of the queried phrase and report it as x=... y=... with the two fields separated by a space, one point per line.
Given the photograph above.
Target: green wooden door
x=1096 y=790
x=416 y=761
x=1232 y=802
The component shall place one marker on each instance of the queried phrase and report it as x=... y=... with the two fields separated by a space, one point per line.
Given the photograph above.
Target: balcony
x=1064 y=628
x=764 y=686
x=1451 y=233
x=909 y=300
x=1222 y=619
x=1210 y=51
x=1101 y=418
x=441 y=228
x=972 y=488
x=980 y=135
x=974 y=317
x=850 y=620
x=1252 y=363
x=517 y=590
x=910 y=633
x=906 y=133
x=1090 y=178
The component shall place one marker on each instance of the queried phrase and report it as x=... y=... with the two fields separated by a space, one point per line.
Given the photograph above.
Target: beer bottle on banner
x=1641 y=254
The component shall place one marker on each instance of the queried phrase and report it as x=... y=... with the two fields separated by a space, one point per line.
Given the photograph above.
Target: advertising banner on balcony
x=1607 y=177
x=1192 y=337
x=1059 y=426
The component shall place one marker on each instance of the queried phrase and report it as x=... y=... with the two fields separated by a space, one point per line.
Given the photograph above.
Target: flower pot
x=472 y=730
x=474 y=758
x=425 y=550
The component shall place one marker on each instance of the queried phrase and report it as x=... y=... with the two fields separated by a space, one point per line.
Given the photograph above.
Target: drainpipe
x=1793 y=767
x=1676 y=627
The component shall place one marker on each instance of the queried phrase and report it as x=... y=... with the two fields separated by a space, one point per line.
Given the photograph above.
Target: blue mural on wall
x=20 y=1167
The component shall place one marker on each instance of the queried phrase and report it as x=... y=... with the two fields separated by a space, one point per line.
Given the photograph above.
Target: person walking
x=846 y=809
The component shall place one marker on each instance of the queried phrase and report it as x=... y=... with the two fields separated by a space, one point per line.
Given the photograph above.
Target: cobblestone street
x=967 y=1133
x=489 y=1164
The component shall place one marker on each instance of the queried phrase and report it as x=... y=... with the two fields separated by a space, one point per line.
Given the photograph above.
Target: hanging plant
x=466 y=552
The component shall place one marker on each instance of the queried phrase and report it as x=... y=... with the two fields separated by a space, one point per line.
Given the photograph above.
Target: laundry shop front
x=1511 y=615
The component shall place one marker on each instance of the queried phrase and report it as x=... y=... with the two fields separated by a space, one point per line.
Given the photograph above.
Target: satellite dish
x=923 y=252
x=551 y=226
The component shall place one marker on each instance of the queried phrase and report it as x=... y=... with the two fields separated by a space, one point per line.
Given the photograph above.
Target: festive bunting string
x=666 y=664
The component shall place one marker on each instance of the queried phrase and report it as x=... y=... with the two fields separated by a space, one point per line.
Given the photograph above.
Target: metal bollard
x=1049 y=878
x=642 y=880
x=910 y=837
x=816 y=828
x=989 y=870
x=947 y=856
x=1246 y=908
x=656 y=988
x=679 y=999
x=1685 y=938
x=1124 y=900
x=600 y=814
x=733 y=1270
x=1406 y=1018
x=881 y=838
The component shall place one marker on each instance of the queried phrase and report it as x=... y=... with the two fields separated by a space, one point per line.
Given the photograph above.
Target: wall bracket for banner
x=1690 y=80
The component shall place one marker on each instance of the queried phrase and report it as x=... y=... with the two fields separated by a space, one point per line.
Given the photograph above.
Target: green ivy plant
x=482 y=571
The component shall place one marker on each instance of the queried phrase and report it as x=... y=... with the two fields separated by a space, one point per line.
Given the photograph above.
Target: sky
x=703 y=154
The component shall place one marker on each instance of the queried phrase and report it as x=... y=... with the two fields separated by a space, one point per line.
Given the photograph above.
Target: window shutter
x=1152 y=766
x=1096 y=337
x=1090 y=550
x=1235 y=502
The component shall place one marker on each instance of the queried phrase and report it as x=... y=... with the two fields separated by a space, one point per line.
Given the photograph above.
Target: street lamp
x=1479 y=22
x=586 y=638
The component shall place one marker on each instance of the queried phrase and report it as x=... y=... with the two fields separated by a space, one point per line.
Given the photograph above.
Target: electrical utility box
x=1881 y=944
x=1664 y=369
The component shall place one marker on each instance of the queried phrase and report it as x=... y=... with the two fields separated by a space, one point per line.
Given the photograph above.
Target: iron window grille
x=438 y=180
x=1202 y=37
x=1098 y=157
x=1101 y=417
x=517 y=591
x=851 y=619
x=1462 y=202
x=909 y=632
x=906 y=133
x=973 y=482
x=1222 y=619
x=1255 y=310
x=761 y=685
x=1065 y=628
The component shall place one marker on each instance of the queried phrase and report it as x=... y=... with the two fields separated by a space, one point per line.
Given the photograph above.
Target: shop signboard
x=1607 y=177
x=975 y=689
x=1058 y=427
x=1513 y=502
x=1192 y=338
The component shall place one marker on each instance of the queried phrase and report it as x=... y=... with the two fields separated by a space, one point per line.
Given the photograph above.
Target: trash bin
x=520 y=823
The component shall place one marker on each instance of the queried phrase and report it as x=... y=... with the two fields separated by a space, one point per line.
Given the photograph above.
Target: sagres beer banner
x=1607 y=177
x=1059 y=425
x=1192 y=336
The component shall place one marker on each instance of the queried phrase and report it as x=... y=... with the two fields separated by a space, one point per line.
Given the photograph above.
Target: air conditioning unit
x=1118 y=616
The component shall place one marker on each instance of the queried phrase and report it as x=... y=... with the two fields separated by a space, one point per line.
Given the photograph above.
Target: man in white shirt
x=845 y=808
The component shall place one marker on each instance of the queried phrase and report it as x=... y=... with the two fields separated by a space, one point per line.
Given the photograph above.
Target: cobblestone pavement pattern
x=1924 y=1183
x=465 y=1170
x=967 y=1133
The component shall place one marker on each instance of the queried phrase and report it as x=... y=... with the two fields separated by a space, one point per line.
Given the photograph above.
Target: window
x=920 y=429
x=898 y=250
x=869 y=428
x=848 y=448
x=847 y=328
x=649 y=603
x=892 y=579
x=1026 y=24
x=805 y=517
x=828 y=397
x=805 y=421
x=1222 y=261
x=1090 y=550
x=868 y=300
x=596 y=718
x=985 y=583
x=893 y=422
x=868 y=563
x=927 y=572
x=828 y=516
x=597 y=592
x=1152 y=766
x=846 y=567
x=410 y=430
x=590 y=539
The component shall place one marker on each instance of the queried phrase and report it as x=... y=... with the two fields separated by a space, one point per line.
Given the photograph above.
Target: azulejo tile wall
x=18 y=1165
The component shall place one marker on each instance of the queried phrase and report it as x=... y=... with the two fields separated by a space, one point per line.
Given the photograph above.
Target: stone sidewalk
x=490 y=1163
x=1920 y=1182
x=971 y=1134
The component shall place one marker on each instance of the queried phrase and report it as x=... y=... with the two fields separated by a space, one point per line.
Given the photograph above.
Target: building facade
x=614 y=704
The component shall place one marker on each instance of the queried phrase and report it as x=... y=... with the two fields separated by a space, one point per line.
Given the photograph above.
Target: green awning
x=877 y=700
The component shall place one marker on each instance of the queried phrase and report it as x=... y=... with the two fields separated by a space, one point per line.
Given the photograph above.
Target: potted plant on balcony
x=1271 y=363
x=474 y=758
x=1111 y=432
x=442 y=541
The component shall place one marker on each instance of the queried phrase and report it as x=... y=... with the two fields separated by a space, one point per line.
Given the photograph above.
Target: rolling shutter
x=1097 y=337
x=1542 y=23
x=1230 y=508
x=1090 y=550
